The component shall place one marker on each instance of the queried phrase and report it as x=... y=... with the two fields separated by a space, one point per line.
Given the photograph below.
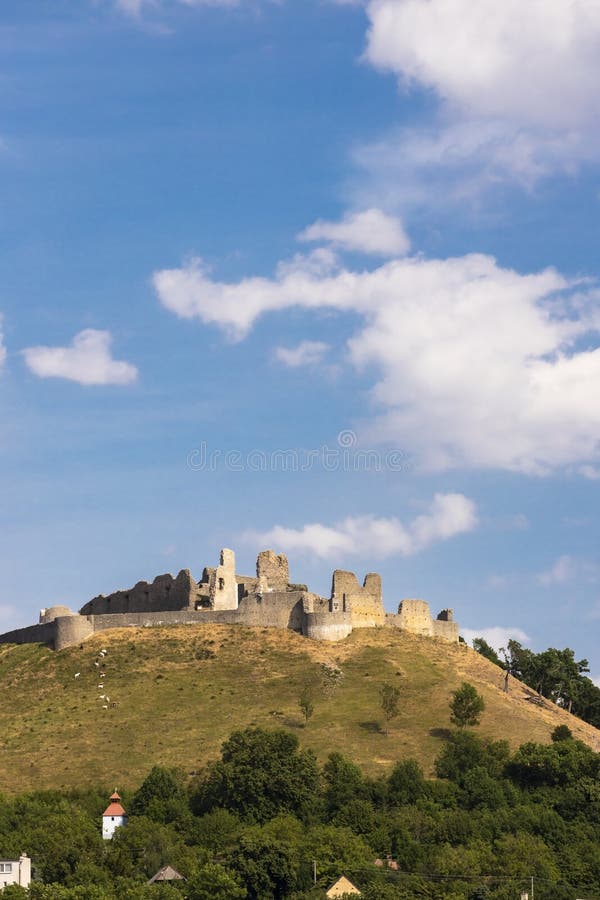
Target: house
x=167 y=873
x=342 y=887
x=113 y=817
x=15 y=871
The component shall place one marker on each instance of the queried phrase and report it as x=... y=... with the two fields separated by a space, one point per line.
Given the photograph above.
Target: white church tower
x=114 y=816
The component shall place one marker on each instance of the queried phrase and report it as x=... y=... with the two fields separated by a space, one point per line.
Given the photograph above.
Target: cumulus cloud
x=515 y=85
x=535 y=63
x=447 y=516
x=371 y=231
x=476 y=365
x=496 y=636
x=307 y=353
x=87 y=361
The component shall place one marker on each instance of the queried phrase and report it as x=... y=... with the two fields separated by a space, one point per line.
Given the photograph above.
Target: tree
x=260 y=774
x=561 y=733
x=306 y=704
x=214 y=882
x=482 y=647
x=466 y=706
x=406 y=783
x=161 y=796
x=389 y=702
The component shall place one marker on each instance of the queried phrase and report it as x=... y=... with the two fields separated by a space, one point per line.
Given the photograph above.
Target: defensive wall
x=225 y=597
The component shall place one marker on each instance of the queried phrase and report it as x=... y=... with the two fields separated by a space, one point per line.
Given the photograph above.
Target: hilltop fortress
x=224 y=597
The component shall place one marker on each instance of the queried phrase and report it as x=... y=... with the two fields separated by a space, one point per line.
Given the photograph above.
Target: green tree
x=260 y=774
x=161 y=796
x=466 y=706
x=343 y=782
x=406 y=783
x=306 y=703
x=484 y=649
x=389 y=698
x=214 y=882
x=561 y=733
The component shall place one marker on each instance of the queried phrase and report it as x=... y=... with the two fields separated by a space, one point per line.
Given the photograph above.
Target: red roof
x=114 y=809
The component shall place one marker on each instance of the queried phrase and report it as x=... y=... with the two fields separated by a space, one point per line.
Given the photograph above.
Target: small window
x=221 y=584
x=6 y=868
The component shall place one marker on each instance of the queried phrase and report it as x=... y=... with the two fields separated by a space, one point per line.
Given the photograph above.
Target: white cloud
x=515 y=84
x=307 y=353
x=563 y=570
x=537 y=62
x=568 y=568
x=371 y=231
x=87 y=361
x=452 y=162
x=497 y=636
x=447 y=516
x=477 y=366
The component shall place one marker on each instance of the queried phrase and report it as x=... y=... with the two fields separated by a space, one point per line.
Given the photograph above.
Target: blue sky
x=234 y=229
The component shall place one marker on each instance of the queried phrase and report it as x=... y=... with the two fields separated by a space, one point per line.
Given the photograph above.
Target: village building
x=342 y=887
x=166 y=873
x=15 y=871
x=113 y=817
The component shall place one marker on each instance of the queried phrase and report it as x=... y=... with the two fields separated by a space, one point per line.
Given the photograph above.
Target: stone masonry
x=222 y=596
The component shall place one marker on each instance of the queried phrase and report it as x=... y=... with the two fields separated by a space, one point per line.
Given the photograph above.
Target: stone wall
x=32 y=634
x=223 y=585
x=164 y=593
x=70 y=630
x=275 y=610
x=415 y=616
x=223 y=597
x=53 y=612
x=272 y=571
x=365 y=603
x=325 y=620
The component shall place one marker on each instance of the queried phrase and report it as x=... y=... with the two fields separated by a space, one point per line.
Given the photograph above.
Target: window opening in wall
x=221 y=584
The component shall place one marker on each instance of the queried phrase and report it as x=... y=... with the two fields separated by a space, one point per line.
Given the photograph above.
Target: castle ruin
x=222 y=596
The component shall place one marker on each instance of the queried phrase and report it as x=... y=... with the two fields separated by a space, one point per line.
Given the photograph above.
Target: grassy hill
x=176 y=693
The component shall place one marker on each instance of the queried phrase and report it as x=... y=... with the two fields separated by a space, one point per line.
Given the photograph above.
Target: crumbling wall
x=415 y=616
x=223 y=586
x=365 y=603
x=272 y=571
x=445 y=627
x=325 y=620
x=164 y=593
x=275 y=610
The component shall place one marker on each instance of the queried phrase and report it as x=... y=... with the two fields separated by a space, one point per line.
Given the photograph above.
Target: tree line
x=555 y=674
x=266 y=822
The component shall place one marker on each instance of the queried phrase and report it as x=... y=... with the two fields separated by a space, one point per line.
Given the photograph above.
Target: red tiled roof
x=114 y=809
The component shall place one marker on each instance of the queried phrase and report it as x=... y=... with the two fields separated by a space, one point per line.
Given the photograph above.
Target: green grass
x=180 y=691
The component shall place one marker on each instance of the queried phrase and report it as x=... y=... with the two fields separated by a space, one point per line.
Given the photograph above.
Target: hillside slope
x=174 y=694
